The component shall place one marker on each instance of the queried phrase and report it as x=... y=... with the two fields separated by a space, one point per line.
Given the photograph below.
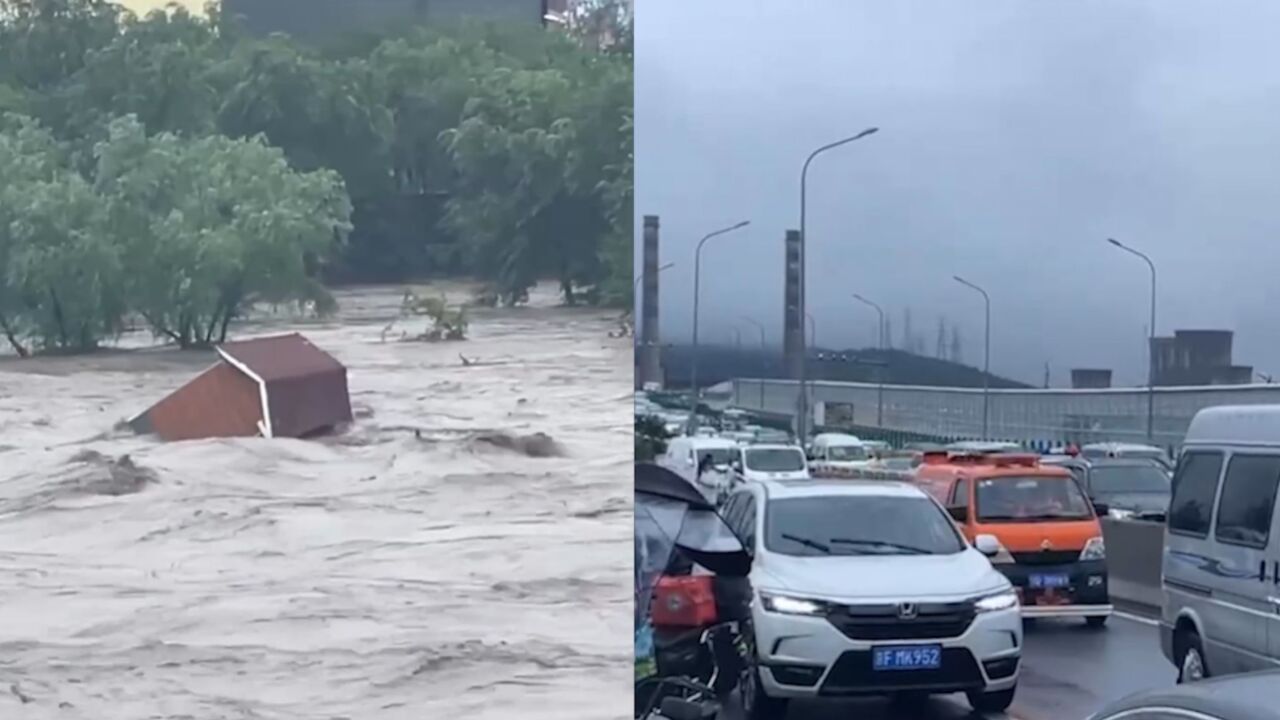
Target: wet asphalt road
x=1068 y=672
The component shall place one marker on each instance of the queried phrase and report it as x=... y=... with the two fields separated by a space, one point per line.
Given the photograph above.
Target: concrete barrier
x=1134 y=550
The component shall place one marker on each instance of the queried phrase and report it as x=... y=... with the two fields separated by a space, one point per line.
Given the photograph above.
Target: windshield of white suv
x=858 y=525
x=846 y=453
x=774 y=460
x=1028 y=499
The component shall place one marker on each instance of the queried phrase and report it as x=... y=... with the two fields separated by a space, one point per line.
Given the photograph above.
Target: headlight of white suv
x=788 y=605
x=995 y=602
x=1095 y=549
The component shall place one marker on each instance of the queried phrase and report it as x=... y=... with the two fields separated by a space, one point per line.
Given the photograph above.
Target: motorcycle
x=692 y=599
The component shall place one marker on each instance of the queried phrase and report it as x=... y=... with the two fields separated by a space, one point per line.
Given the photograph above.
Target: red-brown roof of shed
x=281 y=357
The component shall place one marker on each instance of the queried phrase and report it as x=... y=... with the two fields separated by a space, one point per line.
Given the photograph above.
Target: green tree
x=163 y=69
x=45 y=42
x=212 y=225
x=60 y=272
x=237 y=166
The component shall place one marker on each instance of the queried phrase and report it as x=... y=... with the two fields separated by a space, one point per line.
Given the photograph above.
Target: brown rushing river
x=381 y=573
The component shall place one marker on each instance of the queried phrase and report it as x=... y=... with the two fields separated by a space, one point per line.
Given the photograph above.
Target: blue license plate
x=907 y=657
x=1049 y=581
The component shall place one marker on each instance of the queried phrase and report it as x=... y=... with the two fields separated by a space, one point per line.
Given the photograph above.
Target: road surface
x=1068 y=672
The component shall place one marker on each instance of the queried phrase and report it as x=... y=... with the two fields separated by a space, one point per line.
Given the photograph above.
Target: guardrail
x=1134 y=549
x=1033 y=417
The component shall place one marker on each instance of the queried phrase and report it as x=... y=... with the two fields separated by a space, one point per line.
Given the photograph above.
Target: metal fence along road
x=1035 y=417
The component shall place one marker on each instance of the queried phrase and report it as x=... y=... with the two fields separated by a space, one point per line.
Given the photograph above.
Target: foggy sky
x=1015 y=137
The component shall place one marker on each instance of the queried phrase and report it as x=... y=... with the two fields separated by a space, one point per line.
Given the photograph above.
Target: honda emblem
x=906 y=610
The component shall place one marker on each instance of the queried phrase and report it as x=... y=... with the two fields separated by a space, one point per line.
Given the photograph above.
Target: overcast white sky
x=1015 y=137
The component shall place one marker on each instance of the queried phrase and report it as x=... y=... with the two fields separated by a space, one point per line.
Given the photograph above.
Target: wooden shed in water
x=279 y=386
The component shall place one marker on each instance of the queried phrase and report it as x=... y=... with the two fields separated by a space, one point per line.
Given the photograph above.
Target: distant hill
x=719 y=363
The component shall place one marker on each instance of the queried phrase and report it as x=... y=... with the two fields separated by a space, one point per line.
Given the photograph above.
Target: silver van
x=1220 y=570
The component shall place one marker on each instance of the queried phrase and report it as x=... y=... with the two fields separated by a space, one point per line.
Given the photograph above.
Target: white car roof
x=710 y=442
x=981 y=445
x=836 y=439
x=773 y=446
x=1236 y=425
x=1118 y=446
x=830 y=488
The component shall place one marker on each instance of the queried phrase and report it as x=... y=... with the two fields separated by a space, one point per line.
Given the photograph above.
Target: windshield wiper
x=880 y=543
x=808 y=543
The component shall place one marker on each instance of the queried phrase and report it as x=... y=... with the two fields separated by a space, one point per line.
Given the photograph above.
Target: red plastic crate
x=684 y=601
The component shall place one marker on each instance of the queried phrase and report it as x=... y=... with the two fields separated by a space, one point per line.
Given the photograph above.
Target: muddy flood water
x=451 y=572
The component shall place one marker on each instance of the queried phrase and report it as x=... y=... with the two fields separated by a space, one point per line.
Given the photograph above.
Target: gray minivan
x=1220 y=576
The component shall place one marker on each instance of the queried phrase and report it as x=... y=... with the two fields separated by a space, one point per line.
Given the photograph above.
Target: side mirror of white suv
x=987 y=545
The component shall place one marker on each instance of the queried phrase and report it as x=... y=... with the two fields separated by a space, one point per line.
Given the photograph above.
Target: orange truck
x=1035 y=523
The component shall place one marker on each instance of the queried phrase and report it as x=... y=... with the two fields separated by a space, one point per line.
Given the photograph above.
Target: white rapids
x=404 y=569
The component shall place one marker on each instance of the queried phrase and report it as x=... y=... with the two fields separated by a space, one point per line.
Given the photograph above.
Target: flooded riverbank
x=412 y=566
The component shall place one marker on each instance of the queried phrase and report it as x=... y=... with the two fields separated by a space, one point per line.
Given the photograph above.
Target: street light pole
x=986 y=355
x=762 y=350
x=1151 y=342
x=758 y=326
x=880 y=311
x=879 y=346
x=636 y=288
x=802 y=419
x=697 y=278
x=635 y=292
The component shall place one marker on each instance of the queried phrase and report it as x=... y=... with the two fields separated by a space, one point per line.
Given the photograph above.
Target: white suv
x=869 y=588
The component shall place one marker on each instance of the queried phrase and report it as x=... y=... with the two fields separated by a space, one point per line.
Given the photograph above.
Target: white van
x=685 y=452
x=838 y=451
x=1220 y=578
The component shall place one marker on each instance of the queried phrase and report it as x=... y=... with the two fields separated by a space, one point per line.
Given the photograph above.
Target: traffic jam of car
x=912 y=571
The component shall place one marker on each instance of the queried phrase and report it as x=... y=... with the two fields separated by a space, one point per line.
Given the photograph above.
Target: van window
x=774 y=460
x=960 y=493
x=1194 y=485
x=1248 y=497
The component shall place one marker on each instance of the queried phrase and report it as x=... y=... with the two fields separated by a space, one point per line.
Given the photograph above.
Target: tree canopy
x=172 y=168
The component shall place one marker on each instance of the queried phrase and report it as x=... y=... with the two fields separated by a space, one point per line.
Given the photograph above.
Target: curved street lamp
x=879 y=346
x=1151 y=342
x=759 y=327
x=802 y=420
x=986 y=354
x=695 y=391
x=636 y=286
x=880 y=311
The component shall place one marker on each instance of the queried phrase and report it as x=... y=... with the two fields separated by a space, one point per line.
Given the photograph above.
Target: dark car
x=1252 y=696
x=1129 y=487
